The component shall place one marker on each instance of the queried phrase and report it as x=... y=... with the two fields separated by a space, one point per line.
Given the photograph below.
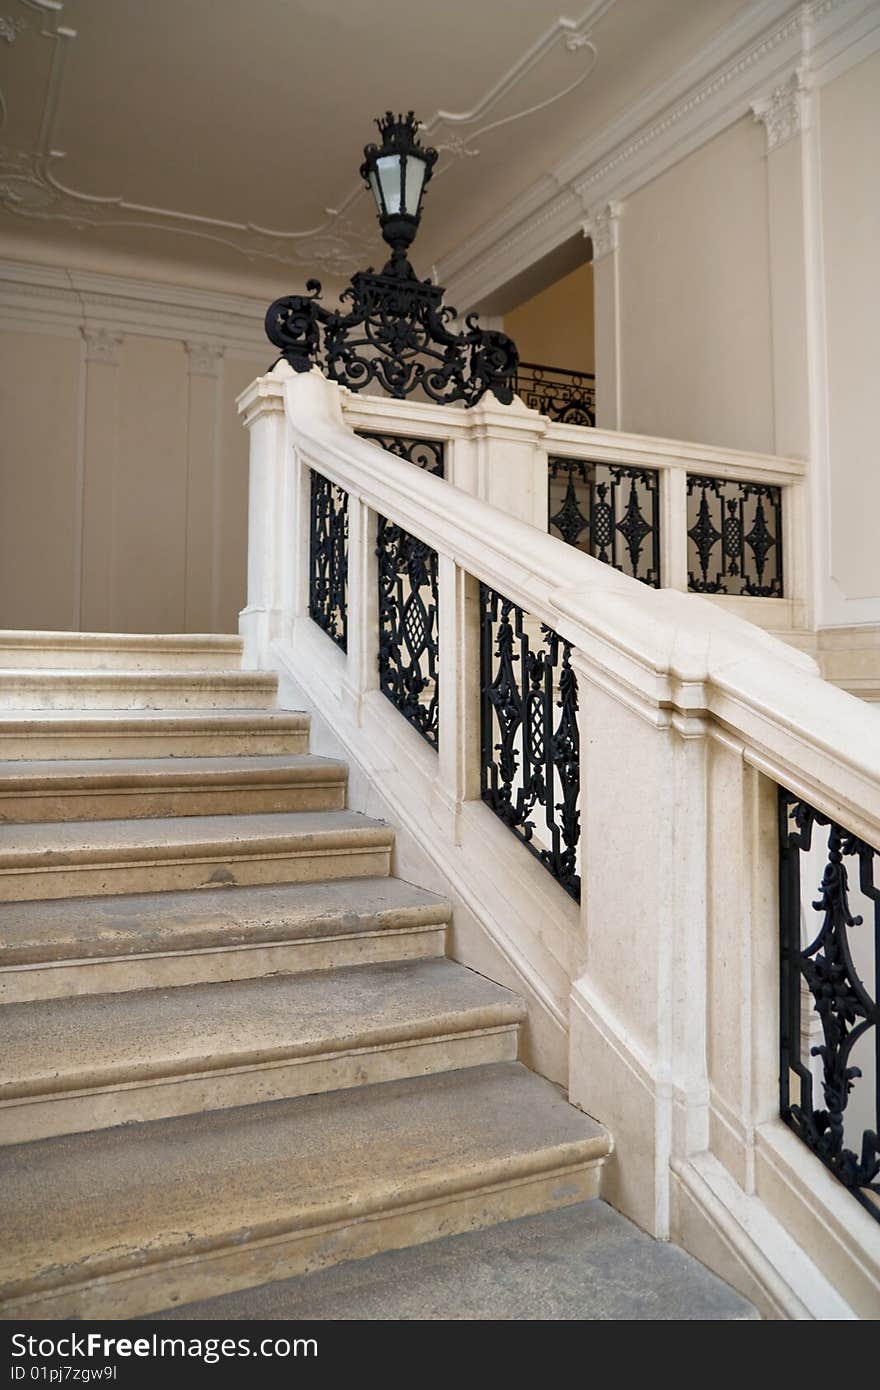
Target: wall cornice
x=45 y=299
x=742 y=66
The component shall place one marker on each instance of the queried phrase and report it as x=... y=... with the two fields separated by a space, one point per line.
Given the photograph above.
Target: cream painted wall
x=123 y=483
x=555 y=327
x=849 y=110
x=695 y=340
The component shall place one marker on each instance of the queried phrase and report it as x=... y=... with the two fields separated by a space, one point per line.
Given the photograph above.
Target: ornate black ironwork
x=818 y=957
x=395 y=333
x=408 y=638
x=428 y=454
x=746 y=518
x=530 y=737
x=609 y=510
x=396 y=329
x=569 y=397
x=328 y=558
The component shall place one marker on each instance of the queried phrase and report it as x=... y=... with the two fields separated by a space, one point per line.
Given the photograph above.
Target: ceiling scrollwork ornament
x=32 y=184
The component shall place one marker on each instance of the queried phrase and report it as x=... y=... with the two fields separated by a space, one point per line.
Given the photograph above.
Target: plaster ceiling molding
x=454 y=132
x=784 y=113
x=32 y=184
x=757 y=50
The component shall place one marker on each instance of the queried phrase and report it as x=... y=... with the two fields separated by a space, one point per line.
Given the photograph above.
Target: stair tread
x=81 y=774
x=140 y=1193
x=91 y=1041
x=141 y=923
x=58 y=843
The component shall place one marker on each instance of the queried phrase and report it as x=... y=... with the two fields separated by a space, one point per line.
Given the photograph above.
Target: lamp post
x=395 y=331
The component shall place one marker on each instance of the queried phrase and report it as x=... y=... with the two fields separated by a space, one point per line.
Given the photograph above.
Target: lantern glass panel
x=389 y=170
x=415 y=178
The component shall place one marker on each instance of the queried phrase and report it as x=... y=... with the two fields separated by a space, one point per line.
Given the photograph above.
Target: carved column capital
x=602 y=226
x=203 y=358
x=784 y=112
x=103 y=345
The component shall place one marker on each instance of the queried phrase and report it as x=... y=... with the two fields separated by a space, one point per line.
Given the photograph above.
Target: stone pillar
x=201 y=577
x=103 y=347
x=270 y=500
x=602 y=227
x=796 y=320
x=509 y=459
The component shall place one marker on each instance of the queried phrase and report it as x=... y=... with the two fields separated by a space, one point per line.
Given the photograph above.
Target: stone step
x=25 y=689
x=76 y=946
x=147 y=1216
x=88 y=1063
x=81 y=858
x=151 y=733
x=572 y=1264
x=122 y=788
x=127 y=651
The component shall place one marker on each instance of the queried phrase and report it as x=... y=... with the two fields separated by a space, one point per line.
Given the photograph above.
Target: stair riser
x=181 y=801
x=88 y=651
x=157 y=876
x=136 y=1292
x=74 y=1113
x=70 y=693
x=210 y=966
x=97 y=659
x=215 y=744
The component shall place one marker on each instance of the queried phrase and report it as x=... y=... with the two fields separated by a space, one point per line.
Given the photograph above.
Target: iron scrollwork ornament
x=393 y=328
x=823 y=967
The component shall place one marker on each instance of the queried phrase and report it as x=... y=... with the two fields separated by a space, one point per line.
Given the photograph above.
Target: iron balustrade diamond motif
x=830 y=1018
x=609 y=510
x=530 y=736
x=567 y=397
x=734 y=537
x=328 y=558
x=408 y=604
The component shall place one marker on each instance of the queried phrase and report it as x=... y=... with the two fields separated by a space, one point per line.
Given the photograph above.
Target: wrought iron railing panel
x=568 y=397
x=734 y=537
x=328 y=558
x=830 y=988
x=428 y=454
x=612 y=511
x=408 y=636
x=530 y=736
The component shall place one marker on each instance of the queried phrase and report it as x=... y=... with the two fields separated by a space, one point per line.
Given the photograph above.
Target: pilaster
x=204 y=361
x=103 y=350
x=602 y=226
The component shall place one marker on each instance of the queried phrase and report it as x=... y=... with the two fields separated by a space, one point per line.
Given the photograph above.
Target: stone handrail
x=656 y=999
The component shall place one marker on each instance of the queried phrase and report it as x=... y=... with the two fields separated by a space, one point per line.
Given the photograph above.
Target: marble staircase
x=233 y=1048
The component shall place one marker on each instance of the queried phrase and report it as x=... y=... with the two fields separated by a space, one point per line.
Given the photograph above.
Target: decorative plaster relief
x=203 y=359
x=10 y=28
x=103 y=345
x=601 y=227
x=784 y=112
x=31 y=184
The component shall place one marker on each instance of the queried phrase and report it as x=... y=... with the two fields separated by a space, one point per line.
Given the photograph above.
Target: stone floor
x=584 y=1262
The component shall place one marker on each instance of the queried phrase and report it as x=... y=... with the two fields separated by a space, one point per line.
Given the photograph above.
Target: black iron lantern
x=397 y=172
x=393 y=328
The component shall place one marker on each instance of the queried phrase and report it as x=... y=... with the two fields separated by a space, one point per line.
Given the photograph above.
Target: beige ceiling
x=223 y=136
